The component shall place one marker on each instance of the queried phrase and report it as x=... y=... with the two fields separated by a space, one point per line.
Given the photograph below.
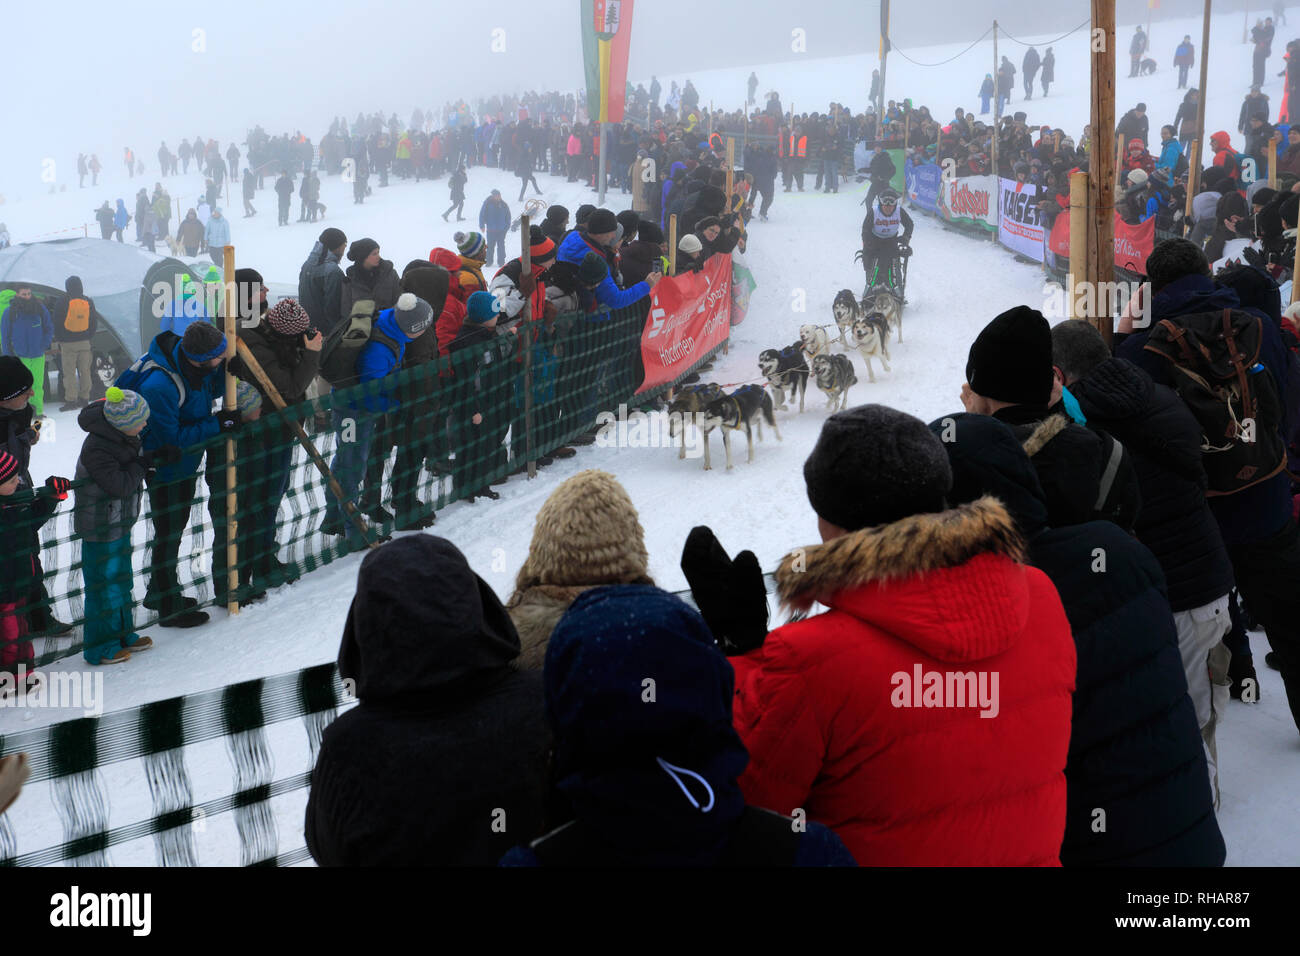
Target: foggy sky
x=89 y=76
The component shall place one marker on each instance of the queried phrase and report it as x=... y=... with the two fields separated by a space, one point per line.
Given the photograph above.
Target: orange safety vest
x=802 y=147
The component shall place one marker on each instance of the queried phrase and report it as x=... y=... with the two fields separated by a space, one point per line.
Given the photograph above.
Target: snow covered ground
x=804 y=253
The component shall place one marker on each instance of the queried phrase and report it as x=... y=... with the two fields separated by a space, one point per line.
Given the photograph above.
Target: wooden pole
x=672 y=244
x=250 y=361
x=1119 y=161
x=997 y=104
x=907 y=127
x=1272 y=160
x=1100 y=264
x=1193 y=158
x=232 y=523
x=731 y=168
x=1195 y=173
x=884 y=57
x=1078 y=242
x=526 y=335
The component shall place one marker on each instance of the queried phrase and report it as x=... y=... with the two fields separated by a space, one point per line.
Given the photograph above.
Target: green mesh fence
x=411 y=443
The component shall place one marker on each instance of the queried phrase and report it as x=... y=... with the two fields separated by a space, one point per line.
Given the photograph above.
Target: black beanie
x=650 y=232
x=629 y=220
x=245 y=280
x=1011 y=359
x=584 y=213
x=358 y=251
x=593 y=269
x=332 y=238
x=601 y=221
x=557 y=214
x=15 y=378
x=873 y=465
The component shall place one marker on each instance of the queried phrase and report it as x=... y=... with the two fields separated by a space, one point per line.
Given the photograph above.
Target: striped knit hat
x=471 y=245
x=8 y=466
x=124 y=409
x=247 y=398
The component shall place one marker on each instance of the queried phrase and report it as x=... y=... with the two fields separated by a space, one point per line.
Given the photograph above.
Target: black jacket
x=21 y=517
x=443 y=760
x=16 y=435
x=1164 y=441
x=1133 y=126
x=1135 y=749
x=1071 y=462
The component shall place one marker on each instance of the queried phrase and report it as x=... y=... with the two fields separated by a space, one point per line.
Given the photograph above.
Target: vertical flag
x=606 y=32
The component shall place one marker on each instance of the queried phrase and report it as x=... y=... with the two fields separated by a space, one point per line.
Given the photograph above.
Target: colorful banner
x=743 y=285
x=1020 y=222
x=924 y=184
x=690 y=314
x=899 y=180
x=970 y=202
x=1132 y=243
x=606 y=36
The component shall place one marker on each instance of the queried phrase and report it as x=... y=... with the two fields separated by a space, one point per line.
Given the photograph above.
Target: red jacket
x=821 y=705
x=453 y=313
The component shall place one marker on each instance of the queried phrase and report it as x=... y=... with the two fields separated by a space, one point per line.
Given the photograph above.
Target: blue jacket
x=377 y=361
x=654 y=784
x=121 y=217
x=1170 y=153
x=171 y=421
x=27 y=333
x=574 y=249
x=217 y=233
x=494 y=217
x=1261 y=510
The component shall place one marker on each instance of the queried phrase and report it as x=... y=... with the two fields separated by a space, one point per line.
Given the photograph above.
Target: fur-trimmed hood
x=535 y=612
x=951 y=583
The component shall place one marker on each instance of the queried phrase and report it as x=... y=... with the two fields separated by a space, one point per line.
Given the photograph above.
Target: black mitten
x=730 y=595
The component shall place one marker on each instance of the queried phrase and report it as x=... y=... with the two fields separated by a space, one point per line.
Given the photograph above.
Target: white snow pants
x=1205 y=662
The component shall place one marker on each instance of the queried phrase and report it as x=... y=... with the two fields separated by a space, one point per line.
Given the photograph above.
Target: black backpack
x=761 y=838
x=339 y=353
x=1215 y=368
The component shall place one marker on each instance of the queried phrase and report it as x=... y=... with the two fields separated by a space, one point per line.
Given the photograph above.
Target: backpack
x=135 y=375
x=1215 y=368
x=339 y=354
x=761 y=838
x=78 y=318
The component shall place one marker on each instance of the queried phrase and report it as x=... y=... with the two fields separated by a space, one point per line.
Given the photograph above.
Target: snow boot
x=1271 y=660
x=117 y=657
x=379 y=514
x=142 y=643
x=175 y=616
x=1241 y=669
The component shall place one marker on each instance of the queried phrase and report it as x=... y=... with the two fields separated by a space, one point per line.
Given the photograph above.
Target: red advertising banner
x=690 y=315
x=1132 y=243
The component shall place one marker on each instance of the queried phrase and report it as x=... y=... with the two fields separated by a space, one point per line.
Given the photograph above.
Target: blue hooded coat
x=652 y=784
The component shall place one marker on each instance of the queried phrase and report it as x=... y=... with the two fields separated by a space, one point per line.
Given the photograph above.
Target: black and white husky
x=687 y=405
x=745 y=409
x=834 y=374
x=846 y=310
x=883 y=302
x=785 y=369
x=871 y=332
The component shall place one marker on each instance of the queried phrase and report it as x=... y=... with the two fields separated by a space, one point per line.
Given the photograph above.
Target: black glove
x=229 y=420
x=58 y=486
x=730 y=594
x=166 y=455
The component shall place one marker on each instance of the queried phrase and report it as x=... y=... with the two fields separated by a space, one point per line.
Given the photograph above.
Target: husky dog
x=744 y=409
x=846 y=310
x=887 y=304
x=690 y=401
x=1147 y=66
x=872 y=335
x=834 y=375
x=174 y=244
x=785 y=369
x=814 y=340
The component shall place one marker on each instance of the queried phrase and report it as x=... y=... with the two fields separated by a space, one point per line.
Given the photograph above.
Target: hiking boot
x=417 y=521
x=583 y=440
x=379 y=514
x=179 y=617
x=1241 y=669
x=330 y=526
x=155 y=601
x=485 y=493
x=117 y=657
x=55 y=628
x=564 y=452
x=69 y=406
x=142 y=643
x=1271 y=660
x=275 y=573
x=244 y=594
